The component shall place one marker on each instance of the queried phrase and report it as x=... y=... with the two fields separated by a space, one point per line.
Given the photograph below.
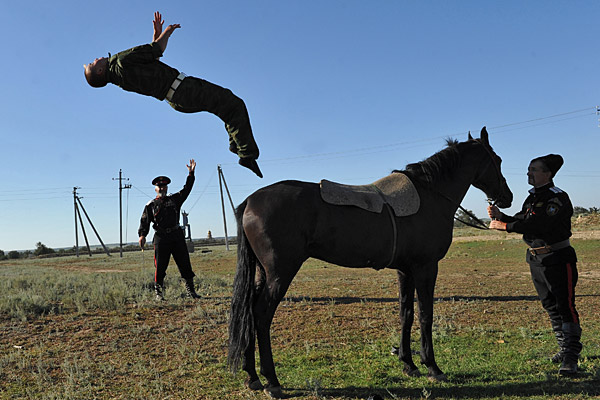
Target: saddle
x=396 y=190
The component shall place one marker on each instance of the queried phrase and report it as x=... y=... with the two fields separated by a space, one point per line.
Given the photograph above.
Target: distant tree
x=594 y=210
x=41 y=248
x=463 y=216
x=13 y=255
x=2 y=255
x=577 y=210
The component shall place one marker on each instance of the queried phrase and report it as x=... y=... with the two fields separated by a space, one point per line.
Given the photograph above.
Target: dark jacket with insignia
x=139 y=70
x=545 y=219
x=163 y=212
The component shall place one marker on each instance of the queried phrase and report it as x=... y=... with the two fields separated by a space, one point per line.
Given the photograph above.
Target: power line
x=142 y=192
x=42 y=193
x=418 y=142
x=203 y=191
x=548 y=117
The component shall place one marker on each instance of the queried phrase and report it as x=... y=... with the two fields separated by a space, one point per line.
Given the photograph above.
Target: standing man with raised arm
x=139 y=70
x=169 y=239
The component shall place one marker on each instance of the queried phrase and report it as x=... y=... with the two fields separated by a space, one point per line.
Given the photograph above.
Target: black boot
x=572 y=348
x=189 y=288
x=158 y=290
x=558 y=357
x=251 y=164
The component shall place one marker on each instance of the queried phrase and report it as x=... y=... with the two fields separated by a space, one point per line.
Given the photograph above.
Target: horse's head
x=489 y=177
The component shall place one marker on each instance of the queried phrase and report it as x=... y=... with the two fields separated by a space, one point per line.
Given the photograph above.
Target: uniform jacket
x=163 y=212
x=139 y=70
x=545 y=219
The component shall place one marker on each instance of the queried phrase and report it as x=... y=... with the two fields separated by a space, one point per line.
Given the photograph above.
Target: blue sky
x=341 y=90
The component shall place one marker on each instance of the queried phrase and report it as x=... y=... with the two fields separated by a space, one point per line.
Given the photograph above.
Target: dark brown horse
x=280 y=226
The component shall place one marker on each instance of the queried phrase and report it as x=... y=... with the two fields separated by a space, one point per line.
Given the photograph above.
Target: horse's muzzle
x=504 y=201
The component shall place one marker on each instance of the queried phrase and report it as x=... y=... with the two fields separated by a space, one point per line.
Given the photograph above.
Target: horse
x=281 y=225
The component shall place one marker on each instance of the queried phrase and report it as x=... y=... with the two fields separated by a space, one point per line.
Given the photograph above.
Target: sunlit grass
x=89 y=328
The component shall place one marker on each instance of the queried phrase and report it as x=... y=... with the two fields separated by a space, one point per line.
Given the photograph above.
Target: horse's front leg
x=425 y=285
x=406 y=289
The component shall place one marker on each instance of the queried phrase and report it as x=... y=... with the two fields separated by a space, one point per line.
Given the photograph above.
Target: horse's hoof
x=438 y=378
x=412 y=372
x=274 y=392
x=254 y=385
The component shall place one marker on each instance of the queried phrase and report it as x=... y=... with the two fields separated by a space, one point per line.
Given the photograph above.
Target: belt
x=168 y=230
x=175 y=85
x=549 y=248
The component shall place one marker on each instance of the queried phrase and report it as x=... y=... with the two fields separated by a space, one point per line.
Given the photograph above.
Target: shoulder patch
x=555 y=189
x=552 y=209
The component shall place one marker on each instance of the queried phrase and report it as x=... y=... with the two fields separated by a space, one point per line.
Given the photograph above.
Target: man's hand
x=158 y=26
x=192 y=166
x=498 y=225
x=494 y=212
x=142 y=241
x=162 y=37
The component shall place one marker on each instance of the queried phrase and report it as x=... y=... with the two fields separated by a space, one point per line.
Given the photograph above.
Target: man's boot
x=158 y=290
x=251 y=164
x=572 y=348
x=189 y=288
x=558 y=332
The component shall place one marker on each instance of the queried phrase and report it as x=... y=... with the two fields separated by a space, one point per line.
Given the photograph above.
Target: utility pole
x=121 y=187
x=78 y=204
x=92 y=225
x=222 y=178
x=75 y=208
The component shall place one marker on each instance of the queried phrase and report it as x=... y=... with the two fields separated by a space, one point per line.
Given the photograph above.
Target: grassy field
x=88 y=328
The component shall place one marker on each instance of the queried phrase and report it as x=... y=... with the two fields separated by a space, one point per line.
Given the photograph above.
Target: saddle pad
x=396 y=189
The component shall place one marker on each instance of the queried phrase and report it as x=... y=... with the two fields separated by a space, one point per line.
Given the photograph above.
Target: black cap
x=161 y=181
x=552 y=161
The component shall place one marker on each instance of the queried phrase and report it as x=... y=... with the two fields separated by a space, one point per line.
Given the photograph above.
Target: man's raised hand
x=192 y=165
x=158 y=25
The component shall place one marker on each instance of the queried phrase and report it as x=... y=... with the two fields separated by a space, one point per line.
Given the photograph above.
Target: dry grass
x=331 y=334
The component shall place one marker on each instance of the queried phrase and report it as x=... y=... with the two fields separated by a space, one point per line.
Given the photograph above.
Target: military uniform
x=163 y=213
x=139 y=70
x=545 y=222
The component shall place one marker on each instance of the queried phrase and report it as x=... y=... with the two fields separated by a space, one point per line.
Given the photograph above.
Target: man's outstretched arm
x=162 y=37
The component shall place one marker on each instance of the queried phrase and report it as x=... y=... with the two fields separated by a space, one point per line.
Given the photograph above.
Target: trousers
x=555 y=285
x=196 y=95
x=168 y=244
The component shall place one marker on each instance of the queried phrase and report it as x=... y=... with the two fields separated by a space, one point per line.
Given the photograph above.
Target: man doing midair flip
x=139 y=70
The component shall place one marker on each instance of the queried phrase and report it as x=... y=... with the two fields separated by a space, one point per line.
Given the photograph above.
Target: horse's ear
x=470 y=137
x=484 y=136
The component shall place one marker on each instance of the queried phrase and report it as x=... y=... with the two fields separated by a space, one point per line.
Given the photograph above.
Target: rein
x=479 y=223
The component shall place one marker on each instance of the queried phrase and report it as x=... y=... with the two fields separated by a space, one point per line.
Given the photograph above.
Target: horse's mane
x=438 y=166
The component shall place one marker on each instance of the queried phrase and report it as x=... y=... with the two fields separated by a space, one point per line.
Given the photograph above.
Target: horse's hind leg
x=264 y=310
x=249 y=360
x=248 y=365
x=406 y=288
x=425 y=285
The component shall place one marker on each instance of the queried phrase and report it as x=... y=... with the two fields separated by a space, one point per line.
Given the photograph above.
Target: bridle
x=479 y=223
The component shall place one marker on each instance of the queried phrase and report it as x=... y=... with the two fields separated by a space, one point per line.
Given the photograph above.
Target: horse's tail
x=241 y=320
